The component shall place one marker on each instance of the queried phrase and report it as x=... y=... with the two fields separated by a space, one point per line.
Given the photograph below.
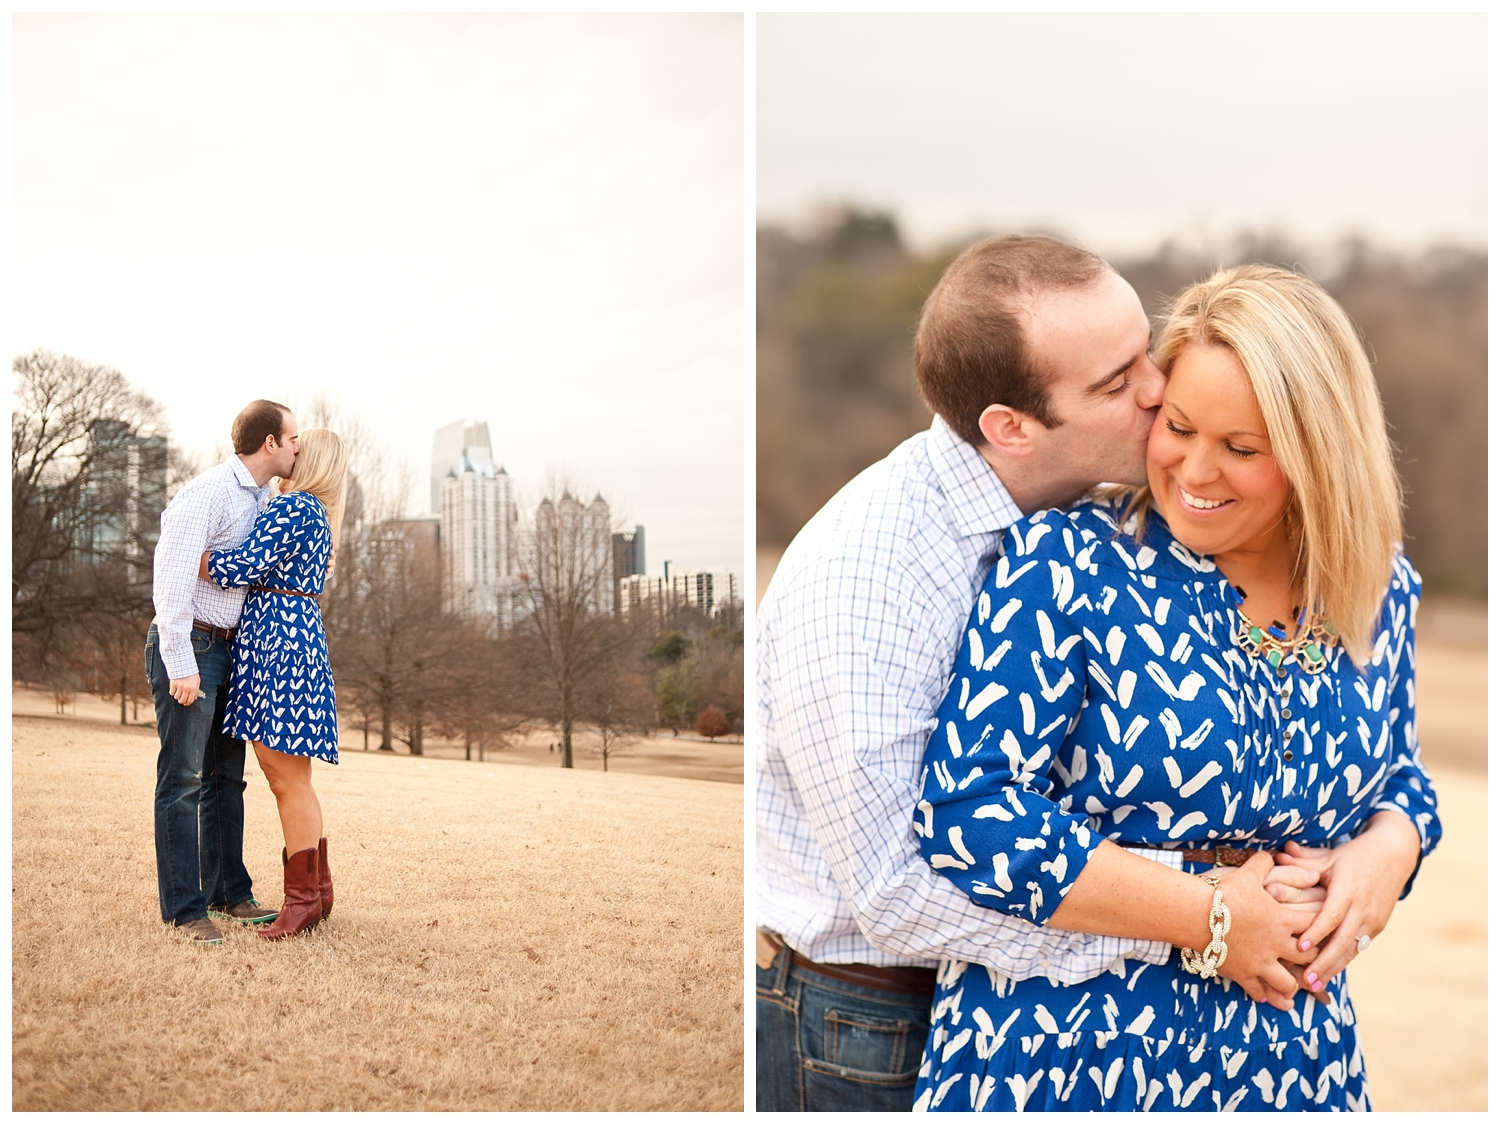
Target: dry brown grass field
x=1421 y=989
x=506 y=937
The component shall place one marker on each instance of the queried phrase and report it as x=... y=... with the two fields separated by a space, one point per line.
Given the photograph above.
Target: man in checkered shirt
x=200 y=772
x=1033 y=355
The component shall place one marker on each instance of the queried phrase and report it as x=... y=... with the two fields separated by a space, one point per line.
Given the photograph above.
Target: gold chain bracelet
x=1207 y=962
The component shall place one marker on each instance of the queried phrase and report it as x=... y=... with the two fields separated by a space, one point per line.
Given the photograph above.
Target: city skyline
x=464 y=448
x=538 y=220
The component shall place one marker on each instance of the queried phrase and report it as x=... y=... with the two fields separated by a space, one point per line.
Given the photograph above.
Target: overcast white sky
x=1123 y=129
x=532 y=220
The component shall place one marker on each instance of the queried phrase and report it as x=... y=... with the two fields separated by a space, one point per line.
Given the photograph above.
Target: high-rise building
x=574 y=542
x=424 y=534
x=125 y=493
x=451 y=445
x=629 y=549
x=642 y=593
x=709 y=591
x=704 y=590
x=478 y=515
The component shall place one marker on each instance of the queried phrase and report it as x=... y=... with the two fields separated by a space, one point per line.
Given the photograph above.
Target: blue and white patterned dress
x=281 y=693
x=1097 y=695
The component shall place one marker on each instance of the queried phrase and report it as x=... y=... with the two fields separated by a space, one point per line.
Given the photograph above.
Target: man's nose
x=1150 y=387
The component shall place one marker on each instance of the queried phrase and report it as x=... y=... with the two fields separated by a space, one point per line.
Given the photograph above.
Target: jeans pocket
x=201 y=643
x=871 y=1045
x=871 y=1064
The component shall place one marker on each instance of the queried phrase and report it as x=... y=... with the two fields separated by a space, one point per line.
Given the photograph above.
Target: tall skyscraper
x=478 y=515
x=451 y=445
x=629 y=549
x=125 y=494
x=577 y=542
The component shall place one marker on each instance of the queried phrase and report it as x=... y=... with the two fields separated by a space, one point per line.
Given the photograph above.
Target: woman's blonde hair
x=321 y=468
x=1316 y=391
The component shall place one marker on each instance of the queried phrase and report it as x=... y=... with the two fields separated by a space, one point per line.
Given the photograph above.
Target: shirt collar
x=242 y=474
x=981 y=504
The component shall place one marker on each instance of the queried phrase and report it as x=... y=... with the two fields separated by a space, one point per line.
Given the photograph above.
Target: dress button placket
x=1286 y=696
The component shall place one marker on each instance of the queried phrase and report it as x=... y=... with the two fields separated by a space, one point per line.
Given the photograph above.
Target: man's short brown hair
x=257 y=421
x=971 y=344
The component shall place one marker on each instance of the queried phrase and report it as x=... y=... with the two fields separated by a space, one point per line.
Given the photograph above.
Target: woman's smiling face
x=1209 y=461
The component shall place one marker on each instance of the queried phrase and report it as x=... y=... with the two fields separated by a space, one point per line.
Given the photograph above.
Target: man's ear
x=1007 y=429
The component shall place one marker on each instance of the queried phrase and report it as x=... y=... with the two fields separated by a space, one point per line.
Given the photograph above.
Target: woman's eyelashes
x=1174 y=428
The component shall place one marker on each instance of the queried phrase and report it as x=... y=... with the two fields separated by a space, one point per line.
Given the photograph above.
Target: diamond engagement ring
x=1362 y=944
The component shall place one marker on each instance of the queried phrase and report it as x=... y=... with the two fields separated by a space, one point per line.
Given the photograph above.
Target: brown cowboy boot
x=325 y=879
x=302 y=906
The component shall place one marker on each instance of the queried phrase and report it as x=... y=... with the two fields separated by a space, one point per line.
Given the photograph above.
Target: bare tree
x=90 y=466
x=566 y=604
x=390 y=643
x=392 y=648
x=619 y=705
x=108 y=659
x=486 y=700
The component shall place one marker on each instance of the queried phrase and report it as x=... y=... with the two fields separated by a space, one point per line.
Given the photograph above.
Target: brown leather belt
x=1217 y=856
x=214 y=630
x=288 y=592
x=904 y=981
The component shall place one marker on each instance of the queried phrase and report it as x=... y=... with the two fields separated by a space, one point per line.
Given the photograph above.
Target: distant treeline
x=836 y=390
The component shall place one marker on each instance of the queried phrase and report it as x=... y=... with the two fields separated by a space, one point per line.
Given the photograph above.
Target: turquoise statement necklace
x=1308 y=647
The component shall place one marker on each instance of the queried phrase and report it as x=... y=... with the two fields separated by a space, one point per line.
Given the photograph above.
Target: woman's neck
x=1263 y=573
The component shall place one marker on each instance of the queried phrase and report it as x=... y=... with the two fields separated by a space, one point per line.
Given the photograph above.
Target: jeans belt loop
x=782 y=966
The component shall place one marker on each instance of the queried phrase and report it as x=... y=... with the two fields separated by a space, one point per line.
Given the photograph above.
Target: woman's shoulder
x=1104 y=532
x=297 y=503
x=1404 y=577
x=1402 y=594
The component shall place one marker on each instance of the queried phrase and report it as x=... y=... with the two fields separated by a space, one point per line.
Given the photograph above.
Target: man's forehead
x=1108 y=293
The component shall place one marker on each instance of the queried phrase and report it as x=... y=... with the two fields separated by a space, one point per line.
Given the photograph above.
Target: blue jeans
x=200 y=789
x=822 y=1045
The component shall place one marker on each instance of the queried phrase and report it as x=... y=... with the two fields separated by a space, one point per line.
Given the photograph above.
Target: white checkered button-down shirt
x=214 y=511
x=856 y=642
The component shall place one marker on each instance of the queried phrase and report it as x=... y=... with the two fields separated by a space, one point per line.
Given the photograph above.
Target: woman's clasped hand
x=1361 y=882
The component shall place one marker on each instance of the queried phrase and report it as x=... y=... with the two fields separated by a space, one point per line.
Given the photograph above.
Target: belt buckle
x=1229 y=856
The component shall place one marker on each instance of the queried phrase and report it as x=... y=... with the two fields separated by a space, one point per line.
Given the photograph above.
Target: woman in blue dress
x=281 y=696
x=1157 y=691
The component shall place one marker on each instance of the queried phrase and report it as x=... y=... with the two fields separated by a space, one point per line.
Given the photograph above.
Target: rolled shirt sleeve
x=986 y=818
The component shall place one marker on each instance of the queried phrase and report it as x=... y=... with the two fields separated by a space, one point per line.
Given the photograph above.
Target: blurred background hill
x=837 y=302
